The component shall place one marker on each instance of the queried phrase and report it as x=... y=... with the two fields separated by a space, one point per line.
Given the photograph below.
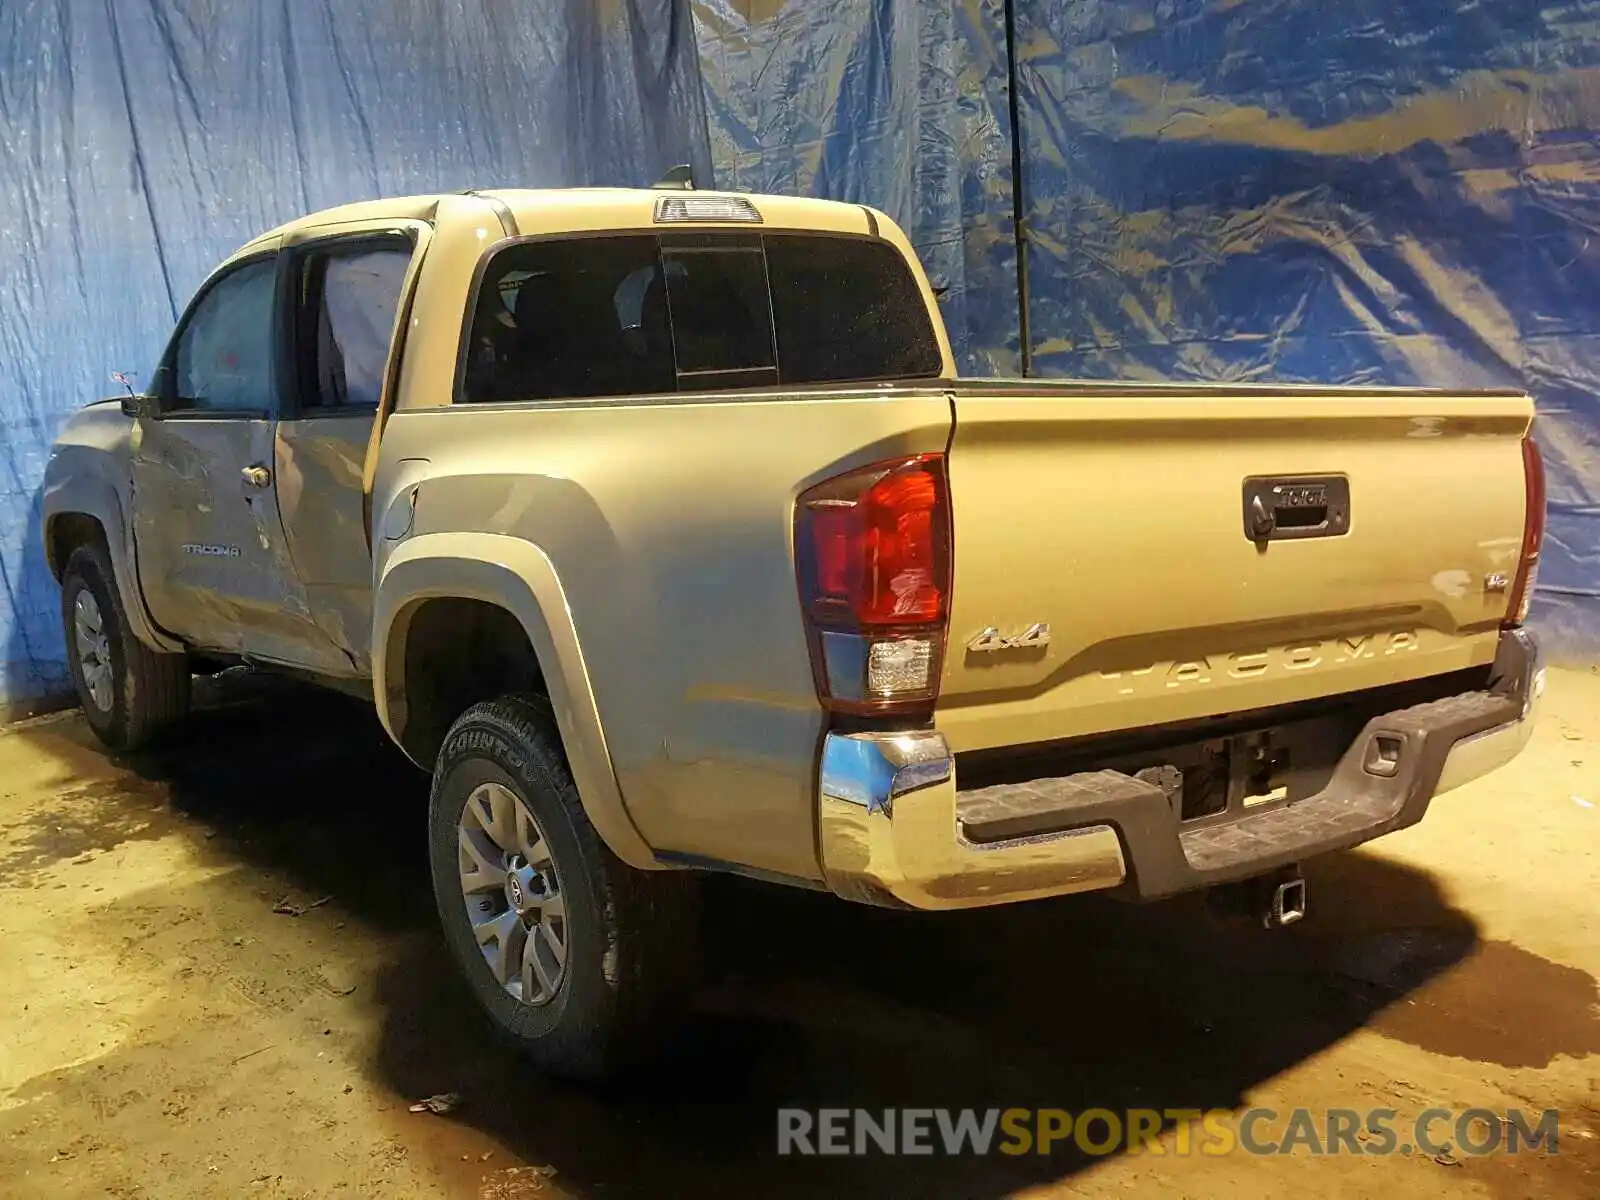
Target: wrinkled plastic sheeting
x=1345 y=193
x=1255 y=190
x=144 y=140
x=895 y=104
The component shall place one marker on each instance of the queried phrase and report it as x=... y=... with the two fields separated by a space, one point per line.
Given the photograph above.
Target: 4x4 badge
x=1037 y=634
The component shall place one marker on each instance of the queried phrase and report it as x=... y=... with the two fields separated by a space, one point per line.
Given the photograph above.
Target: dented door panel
x=320 y=462
x=212 y=555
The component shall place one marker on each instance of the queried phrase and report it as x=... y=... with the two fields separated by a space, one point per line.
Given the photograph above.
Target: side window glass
x=224 y=355
x=347 y=303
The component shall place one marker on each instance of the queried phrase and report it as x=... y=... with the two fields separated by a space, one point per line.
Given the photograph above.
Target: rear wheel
x=581 y=961
x=130 y=694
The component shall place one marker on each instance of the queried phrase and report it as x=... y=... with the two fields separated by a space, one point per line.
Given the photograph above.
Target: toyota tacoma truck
x=660 y=528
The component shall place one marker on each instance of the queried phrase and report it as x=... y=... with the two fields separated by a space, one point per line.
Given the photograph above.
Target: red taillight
x=880 y=541
x=1532 y=534
x=873 y=553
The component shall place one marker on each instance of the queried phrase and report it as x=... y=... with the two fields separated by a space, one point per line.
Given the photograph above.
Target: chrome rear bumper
x=890 y=836
x=890 y=815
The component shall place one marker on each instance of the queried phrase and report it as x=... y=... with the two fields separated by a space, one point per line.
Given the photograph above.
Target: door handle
x=256 y=476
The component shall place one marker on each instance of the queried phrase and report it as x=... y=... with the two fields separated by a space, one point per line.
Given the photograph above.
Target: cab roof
x=549 y=210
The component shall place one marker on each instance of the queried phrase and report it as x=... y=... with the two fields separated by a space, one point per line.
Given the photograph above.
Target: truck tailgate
x=1118 y=516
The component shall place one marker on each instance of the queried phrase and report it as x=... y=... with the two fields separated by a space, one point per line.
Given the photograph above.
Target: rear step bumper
x=895 y=829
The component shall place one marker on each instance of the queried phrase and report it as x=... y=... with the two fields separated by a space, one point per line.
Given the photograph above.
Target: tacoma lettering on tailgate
x=1297 y=656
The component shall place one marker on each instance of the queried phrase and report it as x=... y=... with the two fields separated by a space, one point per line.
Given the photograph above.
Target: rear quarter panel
x=669 y=524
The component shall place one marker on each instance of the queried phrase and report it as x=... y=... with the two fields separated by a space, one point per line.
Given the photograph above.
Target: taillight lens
x=1532 y=534
x=873 y=552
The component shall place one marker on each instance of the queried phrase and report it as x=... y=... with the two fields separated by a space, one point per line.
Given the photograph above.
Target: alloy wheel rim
x=94 y=649
x=512 y=894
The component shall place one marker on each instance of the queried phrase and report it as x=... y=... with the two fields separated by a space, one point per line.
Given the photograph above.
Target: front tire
x=131 y=695
x=579 y=960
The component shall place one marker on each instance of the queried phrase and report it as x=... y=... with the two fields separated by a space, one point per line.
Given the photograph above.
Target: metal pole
x=1019 y=209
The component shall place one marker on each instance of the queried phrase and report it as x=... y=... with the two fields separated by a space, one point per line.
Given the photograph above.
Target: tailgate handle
x=1300 y=506
x=1312 y=512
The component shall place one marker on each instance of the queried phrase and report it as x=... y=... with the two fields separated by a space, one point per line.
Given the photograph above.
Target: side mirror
x=141 y=406
x=153 y=401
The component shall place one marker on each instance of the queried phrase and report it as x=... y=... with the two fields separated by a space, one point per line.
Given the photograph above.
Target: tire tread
x=152 y=689
x=649 y=918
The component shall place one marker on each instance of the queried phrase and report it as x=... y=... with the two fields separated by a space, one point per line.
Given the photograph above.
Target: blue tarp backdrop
x=146 y=139
x=1212 y=189
x=1369 y=191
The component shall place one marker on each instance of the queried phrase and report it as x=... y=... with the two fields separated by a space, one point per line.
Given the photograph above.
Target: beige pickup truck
x=658 y=527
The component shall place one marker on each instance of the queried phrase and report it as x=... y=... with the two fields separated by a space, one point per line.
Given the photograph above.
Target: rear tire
x=131 y=695
x=581 y=962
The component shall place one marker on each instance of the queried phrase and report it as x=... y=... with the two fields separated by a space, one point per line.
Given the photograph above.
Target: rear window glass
x=846 y=308
x=645 y=314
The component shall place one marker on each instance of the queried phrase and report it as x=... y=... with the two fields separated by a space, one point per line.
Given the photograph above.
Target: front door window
x=223 y=362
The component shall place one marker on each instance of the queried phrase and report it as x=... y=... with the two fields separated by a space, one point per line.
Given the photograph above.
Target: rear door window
x=347 y=299
x=647 y=314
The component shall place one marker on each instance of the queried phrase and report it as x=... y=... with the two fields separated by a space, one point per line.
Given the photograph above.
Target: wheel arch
x=83 y=508
x=64 y=532
x=492 y=573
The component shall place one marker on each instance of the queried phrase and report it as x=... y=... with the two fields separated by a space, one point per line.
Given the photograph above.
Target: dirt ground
x=168 y=1033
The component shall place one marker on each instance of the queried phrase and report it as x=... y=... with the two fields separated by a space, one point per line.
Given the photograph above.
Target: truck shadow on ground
x=811 y=1002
